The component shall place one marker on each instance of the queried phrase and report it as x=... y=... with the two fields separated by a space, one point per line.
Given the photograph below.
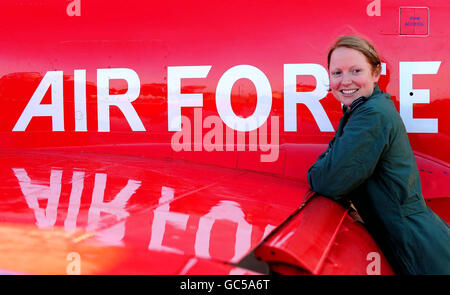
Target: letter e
x=410 y=96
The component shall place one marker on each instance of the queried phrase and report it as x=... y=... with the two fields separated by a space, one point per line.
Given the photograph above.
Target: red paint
x=414 y=21
x=122 y=192
x=325 y=223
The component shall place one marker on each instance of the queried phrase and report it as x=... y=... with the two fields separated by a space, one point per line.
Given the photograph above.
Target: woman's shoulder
x=380 y=104
x=378 y=110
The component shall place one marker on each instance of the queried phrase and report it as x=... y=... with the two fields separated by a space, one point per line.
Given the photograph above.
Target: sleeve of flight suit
x=352 y=157
x=330 y=145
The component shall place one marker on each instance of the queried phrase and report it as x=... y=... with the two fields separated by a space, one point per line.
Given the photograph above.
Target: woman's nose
x=346 y=80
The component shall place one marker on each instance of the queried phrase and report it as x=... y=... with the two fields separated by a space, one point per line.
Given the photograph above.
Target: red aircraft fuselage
x=184 y=131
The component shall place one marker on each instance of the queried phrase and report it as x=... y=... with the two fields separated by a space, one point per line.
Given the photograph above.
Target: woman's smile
x=348 y=92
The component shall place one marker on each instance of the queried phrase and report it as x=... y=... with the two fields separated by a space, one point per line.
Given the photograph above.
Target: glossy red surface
x=333 y=240
x=123 y=211
x=129 y=205
x=149 y=37
x=129 y=200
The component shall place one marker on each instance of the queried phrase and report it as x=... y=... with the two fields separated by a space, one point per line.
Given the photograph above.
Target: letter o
x=263 y=100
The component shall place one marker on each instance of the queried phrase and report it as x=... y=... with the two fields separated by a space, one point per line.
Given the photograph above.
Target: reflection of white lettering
x=122 y=101
x=410 y=96
x=263 y=98
x=190 y=264
x=310 y=99
x=162 y=216
x=176 y=99
x=34 y=107
x=236 y=271
x=116 y=207
x=70 y=224
x=34 y=192
x=227 y=210
x=268 y=230
x=47 y=219
x=112 y=235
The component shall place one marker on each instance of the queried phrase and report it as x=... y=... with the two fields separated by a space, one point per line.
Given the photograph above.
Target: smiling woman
x=354 y=69
x=370 y=162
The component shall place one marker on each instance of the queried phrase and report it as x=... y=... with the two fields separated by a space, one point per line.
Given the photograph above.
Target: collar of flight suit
x=359 y=101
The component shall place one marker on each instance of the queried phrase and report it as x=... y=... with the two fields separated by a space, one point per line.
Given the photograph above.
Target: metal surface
x=92 y=163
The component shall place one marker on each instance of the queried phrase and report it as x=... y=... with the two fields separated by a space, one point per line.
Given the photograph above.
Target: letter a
x=374 y=8
x=74 y=267
x=74 y=8
x=373 y=268
x=183 y=286
x=34 y=107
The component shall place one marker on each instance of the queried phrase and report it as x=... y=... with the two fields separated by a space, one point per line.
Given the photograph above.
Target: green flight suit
x=370 y=162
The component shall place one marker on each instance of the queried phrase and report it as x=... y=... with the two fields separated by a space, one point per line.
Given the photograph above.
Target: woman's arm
x=330 y=145
x=353 y=156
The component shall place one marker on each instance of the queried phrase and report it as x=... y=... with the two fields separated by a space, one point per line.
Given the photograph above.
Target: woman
x=370 y=162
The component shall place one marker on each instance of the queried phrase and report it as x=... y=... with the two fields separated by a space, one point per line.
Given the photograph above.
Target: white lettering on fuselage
x=122 y=101
x=34 y=107
x=80 y=100
x=310 y=99
x=410 y=96
x=263 y=98
x=176 y=100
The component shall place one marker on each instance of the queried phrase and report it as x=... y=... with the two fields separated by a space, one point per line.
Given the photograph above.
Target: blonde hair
x=361 y=45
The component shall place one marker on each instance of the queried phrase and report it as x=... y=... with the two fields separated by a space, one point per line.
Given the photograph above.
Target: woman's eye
x=356 y=71
x=337 y=73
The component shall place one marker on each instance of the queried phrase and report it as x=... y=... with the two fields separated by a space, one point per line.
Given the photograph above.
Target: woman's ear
x=377 y=73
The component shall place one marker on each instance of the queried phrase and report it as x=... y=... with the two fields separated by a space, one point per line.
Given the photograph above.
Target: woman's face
x=351 y=75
